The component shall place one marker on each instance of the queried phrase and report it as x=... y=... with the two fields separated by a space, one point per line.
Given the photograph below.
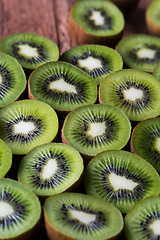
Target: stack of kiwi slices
x=96 y=60
x=97 y=21
x=90 y=153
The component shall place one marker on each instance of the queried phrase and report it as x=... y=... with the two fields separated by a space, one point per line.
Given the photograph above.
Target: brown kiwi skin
x=152 y=27
x=77 y=33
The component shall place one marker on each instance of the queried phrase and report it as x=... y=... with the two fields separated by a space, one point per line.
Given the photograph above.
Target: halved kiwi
x=97 y=21
x=140 y=51
x=152 y=17
x=96 y=60
x=50 y=168
x=12 y=80
x=5 y=158
x=142 y=222
x=121 y=177
x=77 y=216
x=26 y=124
x=94 y=128
x=134 y=92
x=20 y=210
x=62 y=85
x=31 y=50
x=145 y=141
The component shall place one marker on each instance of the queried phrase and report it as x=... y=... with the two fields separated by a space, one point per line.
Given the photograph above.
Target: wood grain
x=50 y=18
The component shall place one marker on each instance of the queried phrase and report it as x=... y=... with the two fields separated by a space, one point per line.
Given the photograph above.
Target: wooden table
x=50 y=18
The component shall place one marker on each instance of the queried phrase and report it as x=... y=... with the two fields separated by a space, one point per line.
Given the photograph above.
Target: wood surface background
x=50 y=18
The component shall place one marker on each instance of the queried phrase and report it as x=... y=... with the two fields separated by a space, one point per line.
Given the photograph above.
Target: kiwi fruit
x=50 y=168
x=12 y=80
x=62 y=85
x=20 y=210
x=133 y=91
x=78 y=216
x=98 y=22
x=5 y=158
x=96 y=60
x=31 y=50
x=26 y=124
x=152 y=17
x=121 y=177
x=94 y=128
x=156 y=72
x=145 y=141
x=142 y=222
x=140 y=51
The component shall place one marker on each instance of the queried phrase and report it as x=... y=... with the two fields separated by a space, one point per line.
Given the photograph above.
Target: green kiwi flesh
x=98 y=18
x=26 y=124
x=145 y=141
x=143 y=220
x=20 y=209
x=31 y=50
x=156 y=72
x=78 y=216
x=5 y=158
x=121 y=177
x=140 y=51
x=12 y=80
x=152 y=17
x=96 y=60
x=134 y=92
x=62 y=85
x=95 y=128
x=50 y=168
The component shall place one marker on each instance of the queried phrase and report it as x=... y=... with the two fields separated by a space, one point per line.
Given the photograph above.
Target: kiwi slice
x=140 y=51
x=20 y=210
x=143 y=221
x=26 y=124
x=62 y=85
x=12 y=80
x=94 y=128
x=145 y=141
x=134 y=92
x=77 y=216
x=5 y=158
x=50 y=168
x=97 y=21
x=31 y=50
x=96 y=60
x=152 y=17
x=156 y=72
x=121 y=177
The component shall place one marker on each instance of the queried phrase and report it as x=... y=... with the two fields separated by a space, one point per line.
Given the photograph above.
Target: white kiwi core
x=121 y=182
x=49 y=169
x=96 y=129
x=5 y=209
x=132 y=94
x=146 y=53
x=62 y=86
x=97 y=17
x=81 y=216
x=157 y=144
x=23 y=127
x=28 y=51
x=155 y=227
x=89 y=63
